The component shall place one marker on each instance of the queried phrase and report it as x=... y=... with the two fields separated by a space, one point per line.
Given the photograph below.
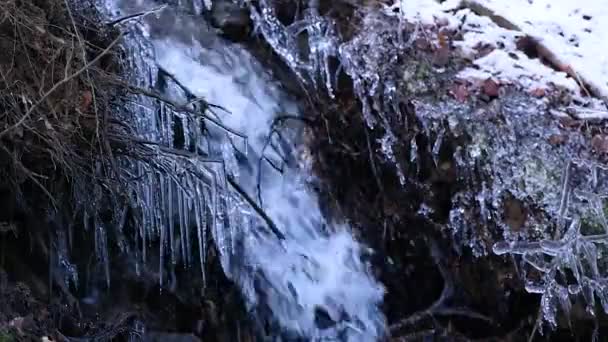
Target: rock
x=490 y=88
x=233 y=20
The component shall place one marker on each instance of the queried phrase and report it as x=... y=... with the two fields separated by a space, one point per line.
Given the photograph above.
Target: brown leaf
x=599 y=143
x=490 y=87
x=87 y=99
x=443 y=39
x=557 y=139
x=422 y=44
x=538 y=92
x=568 y=122
x=515 y=214
x=441 y=56
x=460 y=92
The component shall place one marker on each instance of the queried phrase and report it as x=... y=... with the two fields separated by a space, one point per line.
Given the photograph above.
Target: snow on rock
x=426 y=12
x=572 y=33
x=576 y=32
x=504 y=61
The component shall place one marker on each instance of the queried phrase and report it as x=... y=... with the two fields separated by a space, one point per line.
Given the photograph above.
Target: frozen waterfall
x=305 y=273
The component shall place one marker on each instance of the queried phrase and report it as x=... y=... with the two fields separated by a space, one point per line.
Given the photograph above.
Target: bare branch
x=271 y=225
x=59 y=84
x=179 y=107
x=136 y=15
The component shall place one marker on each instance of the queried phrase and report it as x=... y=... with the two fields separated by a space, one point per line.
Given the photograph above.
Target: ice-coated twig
x=571 y=254
x=136 y=15
x=271 y=225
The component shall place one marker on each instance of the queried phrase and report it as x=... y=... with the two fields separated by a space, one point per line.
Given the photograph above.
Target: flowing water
x=243 y=181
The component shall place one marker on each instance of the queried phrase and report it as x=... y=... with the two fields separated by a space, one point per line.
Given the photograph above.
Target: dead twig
x=59 y=84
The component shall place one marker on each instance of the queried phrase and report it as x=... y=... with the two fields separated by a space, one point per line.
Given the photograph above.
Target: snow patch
x=504 y=62
x=573 y=32
x=427 y=12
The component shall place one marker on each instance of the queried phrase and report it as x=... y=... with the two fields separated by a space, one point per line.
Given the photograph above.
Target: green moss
x=540 y=180
x=591 y=225
x=418 y=78
x=6 y=337
x=423 y=71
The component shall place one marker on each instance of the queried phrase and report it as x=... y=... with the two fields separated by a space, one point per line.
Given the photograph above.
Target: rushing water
x=305 y=274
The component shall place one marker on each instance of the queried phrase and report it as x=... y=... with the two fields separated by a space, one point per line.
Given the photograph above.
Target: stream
x=241 y=184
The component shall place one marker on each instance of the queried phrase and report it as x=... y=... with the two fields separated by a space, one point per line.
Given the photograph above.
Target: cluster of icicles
x=369 y=59
x=184 y=199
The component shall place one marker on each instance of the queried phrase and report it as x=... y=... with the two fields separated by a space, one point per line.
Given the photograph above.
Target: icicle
x=203 y=238
x=138 y=257
x=386 y=145
x=120 y=218
x=516 y=247
x=86 y=220
x=142 y=235
x=323 y=43
x=182 y=224
x=548 y=308
x=171 y=223
x=186 y=131
x=551 y=247
x=161 y=122
x=68 y=270
x=200 y=227
x=413 y=151
x=534 y=287
x=199 y=5
x=278 y=37
x=101 y=248
x=187 y=222
x=437 y=146
x=169 y=127
x=161 y=226
x=146 y=216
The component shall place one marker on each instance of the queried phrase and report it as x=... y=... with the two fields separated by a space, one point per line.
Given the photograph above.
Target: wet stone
x=232 y=19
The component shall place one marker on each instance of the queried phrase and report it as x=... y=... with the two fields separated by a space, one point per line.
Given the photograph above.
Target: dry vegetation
x=55 y=112
x=57 y=129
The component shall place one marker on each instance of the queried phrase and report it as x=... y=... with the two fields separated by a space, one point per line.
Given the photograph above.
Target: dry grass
x=55 y=117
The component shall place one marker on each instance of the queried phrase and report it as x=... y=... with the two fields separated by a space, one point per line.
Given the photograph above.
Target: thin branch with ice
x=136 y=15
